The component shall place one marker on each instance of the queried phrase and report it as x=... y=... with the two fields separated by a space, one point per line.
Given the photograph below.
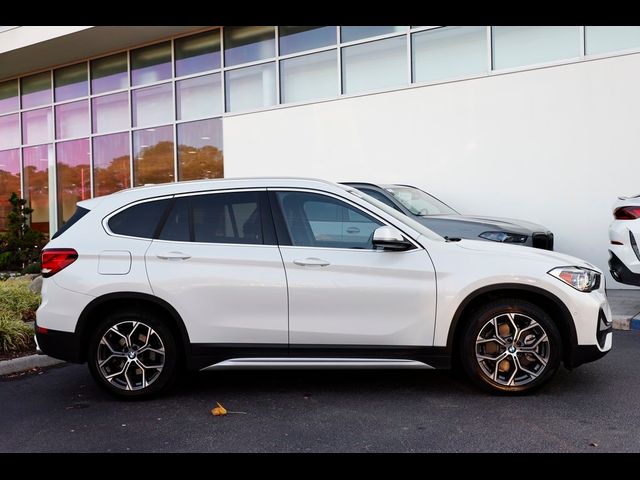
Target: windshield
x=401 y=217
x=418 y=202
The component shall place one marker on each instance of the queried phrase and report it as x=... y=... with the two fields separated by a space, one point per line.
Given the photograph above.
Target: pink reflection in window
x=36 y=126
x=74 y=178
x=9 y=182
x=36 y=182
x=72 y=119
x=9 y=131
x=110 y=113
x=111 y=165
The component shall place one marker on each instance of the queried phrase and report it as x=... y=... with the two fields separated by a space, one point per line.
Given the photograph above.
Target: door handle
x=311 y=262
x=353 y=230
x=173 y=256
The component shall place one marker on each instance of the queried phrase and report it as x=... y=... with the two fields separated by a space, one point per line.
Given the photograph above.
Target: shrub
x=17 y=302
x=32 y=268
x=20 y=244
x=15 y=335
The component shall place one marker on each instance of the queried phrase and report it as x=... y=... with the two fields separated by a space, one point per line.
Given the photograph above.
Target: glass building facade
x=154 y=114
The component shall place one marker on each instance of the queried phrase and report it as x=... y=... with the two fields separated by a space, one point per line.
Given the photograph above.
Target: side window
x=139 y=220
x=315 y=220
x=227 y=218
x=381 y=197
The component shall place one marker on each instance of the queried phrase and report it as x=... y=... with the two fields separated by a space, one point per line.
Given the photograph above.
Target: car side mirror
x=389 y=238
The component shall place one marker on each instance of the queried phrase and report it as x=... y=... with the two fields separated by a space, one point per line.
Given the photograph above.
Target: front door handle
x=173 y=256
x=353 y=230
x=311 y=262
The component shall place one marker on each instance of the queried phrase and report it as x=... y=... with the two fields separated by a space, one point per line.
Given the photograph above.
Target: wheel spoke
x=115 y=330
x=113 y=355
x=512 y=320
x=513 y=375
x=526 y=370
x=498 y=338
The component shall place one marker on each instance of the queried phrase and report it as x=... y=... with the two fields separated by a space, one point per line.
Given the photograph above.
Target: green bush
x=20 y=244
x=17 y=302
x=32 y=268
x=15 y=335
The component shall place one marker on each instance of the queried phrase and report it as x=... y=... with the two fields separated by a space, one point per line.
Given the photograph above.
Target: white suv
x=624 y=234
x=278 y=272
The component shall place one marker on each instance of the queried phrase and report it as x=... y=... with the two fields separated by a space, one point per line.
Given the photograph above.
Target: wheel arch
x=543 y=298
x=102 y=305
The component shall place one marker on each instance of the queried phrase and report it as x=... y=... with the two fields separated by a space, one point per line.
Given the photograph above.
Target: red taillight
x=55 y=259
x=627 y=213
x=42 y=330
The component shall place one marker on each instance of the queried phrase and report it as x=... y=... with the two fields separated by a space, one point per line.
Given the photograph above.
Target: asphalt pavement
x=591 y=409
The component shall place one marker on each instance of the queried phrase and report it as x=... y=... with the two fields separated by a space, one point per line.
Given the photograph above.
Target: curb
x=622 y=322
x=20 y=364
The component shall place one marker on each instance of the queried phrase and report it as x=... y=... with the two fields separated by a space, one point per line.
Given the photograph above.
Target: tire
x=139 y=346
x=522 y=364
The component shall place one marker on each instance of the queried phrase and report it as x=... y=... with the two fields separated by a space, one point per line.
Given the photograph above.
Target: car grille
x=543 y=240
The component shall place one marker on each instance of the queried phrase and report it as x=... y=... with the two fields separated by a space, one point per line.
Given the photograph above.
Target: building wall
x=552 y=145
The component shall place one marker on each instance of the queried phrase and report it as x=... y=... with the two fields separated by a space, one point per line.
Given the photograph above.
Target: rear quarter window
x=139 y=220
x=77 y=215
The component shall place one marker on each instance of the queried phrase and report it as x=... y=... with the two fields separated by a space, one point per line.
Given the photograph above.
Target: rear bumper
x=620 y=272
x=62 y=345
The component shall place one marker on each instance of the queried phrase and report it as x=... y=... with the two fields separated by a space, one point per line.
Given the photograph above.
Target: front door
x=342 y=291
x=217 y=264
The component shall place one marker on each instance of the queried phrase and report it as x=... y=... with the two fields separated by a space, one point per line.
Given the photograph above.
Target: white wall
x=554 y=146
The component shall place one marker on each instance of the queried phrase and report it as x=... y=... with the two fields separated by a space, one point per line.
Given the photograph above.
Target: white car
x=261 y=272
x=624 y=234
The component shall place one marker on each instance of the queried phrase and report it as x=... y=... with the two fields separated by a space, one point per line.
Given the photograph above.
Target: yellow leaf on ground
x=219 y=410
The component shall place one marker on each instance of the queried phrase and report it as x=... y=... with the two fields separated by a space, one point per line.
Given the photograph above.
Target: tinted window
x=314 y=220
x=227 y=218
x=381 y=197
x=140 y=220
x=176 y=226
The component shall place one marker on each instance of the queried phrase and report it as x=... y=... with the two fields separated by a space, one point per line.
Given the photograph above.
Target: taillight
x=55 y=259
x=627 y=213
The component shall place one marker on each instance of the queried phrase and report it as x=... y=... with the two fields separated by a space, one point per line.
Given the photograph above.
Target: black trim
x=584 y=354
x=63 y=345
x=266 y=220
x=205 y=354
x=620 y=272
x=284 y=239
x=163 y=218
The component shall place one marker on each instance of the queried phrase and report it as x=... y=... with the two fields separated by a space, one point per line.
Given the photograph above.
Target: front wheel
x=510 y=346
x=132 y=355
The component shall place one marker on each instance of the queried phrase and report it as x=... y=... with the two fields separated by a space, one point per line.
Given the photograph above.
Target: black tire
x=479 y=327
x=158 y=381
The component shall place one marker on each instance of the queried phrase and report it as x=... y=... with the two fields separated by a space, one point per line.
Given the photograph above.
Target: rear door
x=217 y=263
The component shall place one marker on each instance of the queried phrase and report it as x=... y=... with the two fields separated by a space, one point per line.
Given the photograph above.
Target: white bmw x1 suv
x=624 y=234
x=281 y=272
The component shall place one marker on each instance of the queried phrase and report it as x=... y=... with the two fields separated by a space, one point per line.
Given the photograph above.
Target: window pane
x=36 y=126
x=309 y=77
x=152 y=105
x=9 y=182
x=449 y=52
x=200 y=149
x=227 y=218
x=71 y=82
x=603 y=39
x=72 y=119
x=111 y=168
x=176 y=227
x=197 y=53
x=153 y=155
x=36 y=90
x=248 y=44
x=109 y=73
x=314 y=220
x=349 y=34
x=36 y=183
x=151 y=64
x=9 y=131
x=74 y=185
x=140 y=220
x=199 y=97
x=110 y=113
x=251 y=87
x=298 y=39
x=517 y=46
x=9 y=96
x=375 y=65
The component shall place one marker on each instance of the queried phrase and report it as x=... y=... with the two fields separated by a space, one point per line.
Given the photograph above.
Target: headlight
x=503 y=237
x=579 y=278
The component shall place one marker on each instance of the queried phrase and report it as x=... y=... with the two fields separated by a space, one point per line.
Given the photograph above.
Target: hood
x=557 y=259
x=488 y=223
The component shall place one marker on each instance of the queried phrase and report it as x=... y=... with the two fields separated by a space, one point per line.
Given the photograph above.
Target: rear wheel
x=510 y=346
x=133 y=355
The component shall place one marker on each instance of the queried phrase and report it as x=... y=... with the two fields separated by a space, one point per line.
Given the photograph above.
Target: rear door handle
x=353 y=230
x=173 y=256
x=311 y=262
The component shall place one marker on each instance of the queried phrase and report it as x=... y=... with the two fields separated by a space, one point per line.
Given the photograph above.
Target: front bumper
x=62 y=345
